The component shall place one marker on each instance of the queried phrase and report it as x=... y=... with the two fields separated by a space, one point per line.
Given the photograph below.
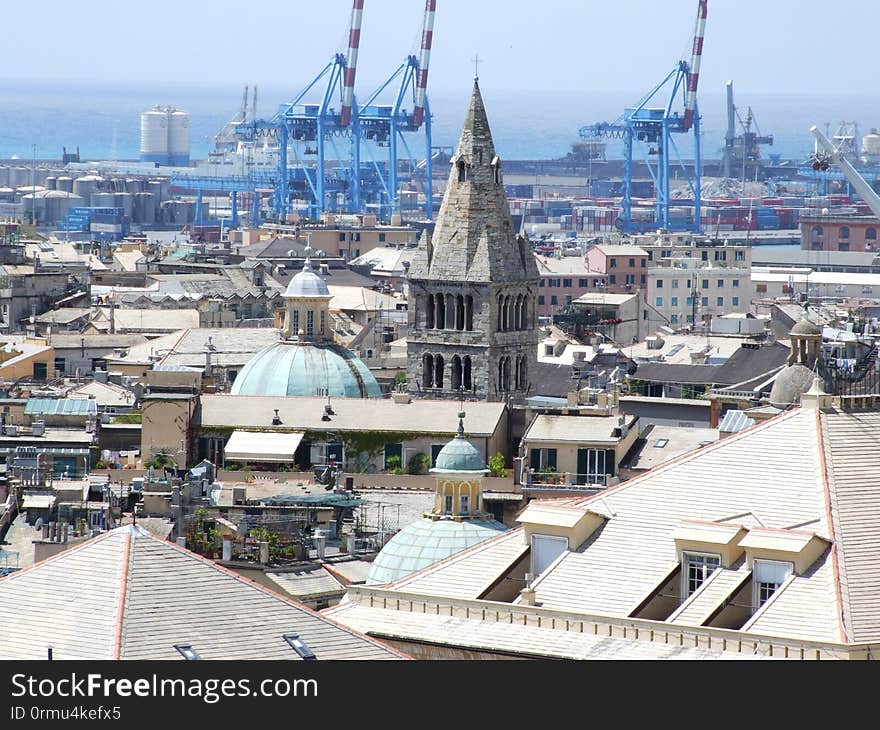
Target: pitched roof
x=745 y=364
x=128 y=595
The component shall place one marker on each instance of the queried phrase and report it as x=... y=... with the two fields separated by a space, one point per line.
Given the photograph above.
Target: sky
x=766 y=46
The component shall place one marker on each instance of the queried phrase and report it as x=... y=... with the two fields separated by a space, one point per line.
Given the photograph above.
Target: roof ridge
x=838 y=566
x=123 y=595
x=694 y=454
x=275 y=594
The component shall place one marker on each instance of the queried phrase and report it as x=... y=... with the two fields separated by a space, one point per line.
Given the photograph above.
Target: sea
x=103 y=119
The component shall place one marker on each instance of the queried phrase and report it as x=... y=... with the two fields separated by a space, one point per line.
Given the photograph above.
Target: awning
x=253 y=446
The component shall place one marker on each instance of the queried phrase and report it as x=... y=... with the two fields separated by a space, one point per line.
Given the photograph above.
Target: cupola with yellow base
x=456 y=521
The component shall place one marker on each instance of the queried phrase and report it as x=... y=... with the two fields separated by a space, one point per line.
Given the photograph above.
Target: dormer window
x=769 y=575
x=496 y=170
x=696 y=568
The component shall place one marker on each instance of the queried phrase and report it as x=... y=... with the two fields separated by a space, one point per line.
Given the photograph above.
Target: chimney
x=112 y=317
x=527 y=594
x=320 y=540
x=227 y=547
x=208 y=365
x=264 y=552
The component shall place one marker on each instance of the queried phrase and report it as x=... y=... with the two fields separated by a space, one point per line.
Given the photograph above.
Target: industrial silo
x=144 y=208
x=126 y=202
x=103 y=200
x=159 y=189
x=56 y=203
x=871 y=148
x=178 y=138
x=50 y=182
x=7 y=195
x=86 y=185
x=19 y=176
x=63 y=182
x=154 y=135
x=134 y=185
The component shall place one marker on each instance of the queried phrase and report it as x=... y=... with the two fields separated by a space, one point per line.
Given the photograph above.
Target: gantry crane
x=652 y=129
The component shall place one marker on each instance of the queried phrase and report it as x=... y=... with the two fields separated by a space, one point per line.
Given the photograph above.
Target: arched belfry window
x=462 y=171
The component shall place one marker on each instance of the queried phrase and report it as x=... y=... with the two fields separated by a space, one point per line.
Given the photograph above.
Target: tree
x=160 y=460
x=496 y=465
x=418 y=464
x=400 y=378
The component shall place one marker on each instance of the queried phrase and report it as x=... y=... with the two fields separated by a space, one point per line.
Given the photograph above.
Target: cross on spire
x=476 y=59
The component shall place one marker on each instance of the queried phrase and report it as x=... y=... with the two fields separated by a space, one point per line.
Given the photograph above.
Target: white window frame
x=756 y=585
x=553 y=538
x=685 y=554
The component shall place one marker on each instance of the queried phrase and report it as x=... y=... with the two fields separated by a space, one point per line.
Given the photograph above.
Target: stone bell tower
x=473 y=284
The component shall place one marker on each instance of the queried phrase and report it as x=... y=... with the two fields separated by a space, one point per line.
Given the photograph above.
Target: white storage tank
x=103 y=200
x=57 y=203
x=154 y=135
x=50 y=182
x=178 y=138
x=871 y=147
x=126 y=202
x=134 y=185
x=63 y=182
x=86 y=185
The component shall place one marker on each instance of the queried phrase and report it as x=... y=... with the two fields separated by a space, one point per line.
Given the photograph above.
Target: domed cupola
x=306 y=361
x=456 y=521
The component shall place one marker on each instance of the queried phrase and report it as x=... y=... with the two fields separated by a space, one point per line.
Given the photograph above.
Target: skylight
x=660 y=443
x=299 y=646
x=187 y=651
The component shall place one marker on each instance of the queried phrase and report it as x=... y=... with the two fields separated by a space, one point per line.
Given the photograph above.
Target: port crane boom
x=859 y=184
x=651 y=128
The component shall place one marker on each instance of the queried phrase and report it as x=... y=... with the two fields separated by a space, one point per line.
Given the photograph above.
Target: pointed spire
x=473 y=238
x=476 y=134
x=307 y=264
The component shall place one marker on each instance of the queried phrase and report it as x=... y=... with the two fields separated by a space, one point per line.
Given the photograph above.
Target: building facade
x=625 y=266
x=473 y=284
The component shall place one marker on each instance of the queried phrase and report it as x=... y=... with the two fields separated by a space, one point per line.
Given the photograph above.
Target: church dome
x=307 y=284
x=790 y=384
x=459 y=455
x=426 y=542
x=306 y=369
x=806 y=327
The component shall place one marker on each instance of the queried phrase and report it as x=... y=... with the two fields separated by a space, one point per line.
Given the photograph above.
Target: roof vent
x=276 y=420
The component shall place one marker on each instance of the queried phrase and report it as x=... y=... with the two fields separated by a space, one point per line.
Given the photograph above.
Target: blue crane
x=651 y=128
x=389 y=125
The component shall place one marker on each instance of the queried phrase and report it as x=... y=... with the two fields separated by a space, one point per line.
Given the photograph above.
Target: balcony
x=536 y=481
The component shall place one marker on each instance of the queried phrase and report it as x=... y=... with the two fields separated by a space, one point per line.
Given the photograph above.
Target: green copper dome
x=459 y=455
x=306 y=369
x=426 y=542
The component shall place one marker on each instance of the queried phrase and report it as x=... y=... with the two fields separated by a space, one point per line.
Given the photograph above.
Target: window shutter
x=609 y=461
